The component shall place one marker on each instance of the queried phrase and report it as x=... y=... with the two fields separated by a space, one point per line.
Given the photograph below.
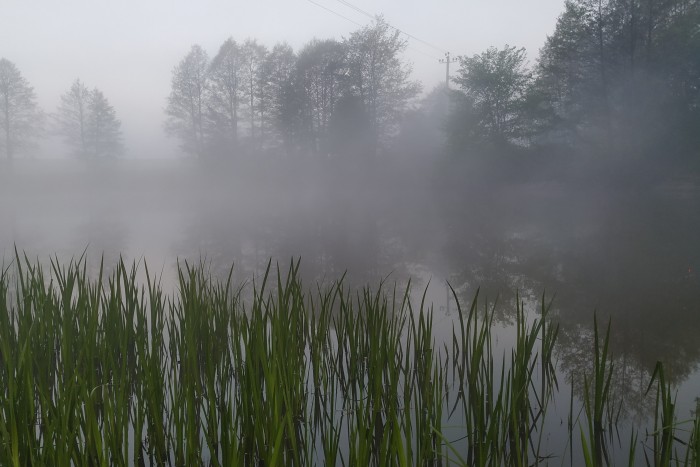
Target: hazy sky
x=128 y=48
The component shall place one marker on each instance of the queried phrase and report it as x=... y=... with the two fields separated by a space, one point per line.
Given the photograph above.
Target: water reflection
x=629 y=252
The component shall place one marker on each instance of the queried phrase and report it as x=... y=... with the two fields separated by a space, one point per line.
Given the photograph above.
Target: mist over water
x=570 y=178
x=628 y=252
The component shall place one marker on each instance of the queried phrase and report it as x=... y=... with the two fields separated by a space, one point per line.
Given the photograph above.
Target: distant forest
x=615 y=78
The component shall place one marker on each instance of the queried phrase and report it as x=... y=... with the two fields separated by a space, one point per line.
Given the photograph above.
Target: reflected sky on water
x=629 y=252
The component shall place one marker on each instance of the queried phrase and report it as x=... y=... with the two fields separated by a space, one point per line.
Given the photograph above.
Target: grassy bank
x=109 y=370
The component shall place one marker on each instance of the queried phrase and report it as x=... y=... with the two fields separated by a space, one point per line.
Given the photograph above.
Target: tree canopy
x=20 y=117
x=88 y=123
x=379 y=76
x=495 y=83
x=187 y=102
x=618 y=77
x=249 y=97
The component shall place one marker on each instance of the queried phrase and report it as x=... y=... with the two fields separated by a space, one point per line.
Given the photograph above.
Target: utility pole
x=447 y=62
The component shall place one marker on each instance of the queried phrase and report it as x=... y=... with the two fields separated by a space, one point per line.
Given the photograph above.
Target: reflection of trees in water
x=629 y=381
x=630 y=253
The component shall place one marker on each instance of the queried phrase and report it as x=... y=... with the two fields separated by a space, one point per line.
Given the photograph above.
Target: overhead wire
x=356 y=8
x=365 y=13
x=368 y=14
x=334 y=12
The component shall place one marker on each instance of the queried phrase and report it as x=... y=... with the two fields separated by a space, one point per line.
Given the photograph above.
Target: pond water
x=629 y=252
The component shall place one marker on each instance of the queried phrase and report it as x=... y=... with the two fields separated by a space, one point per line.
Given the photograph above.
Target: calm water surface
x=630 y=252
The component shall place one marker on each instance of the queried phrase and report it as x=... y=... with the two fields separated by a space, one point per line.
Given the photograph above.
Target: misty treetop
x=615 y=75
x=20 y=117
x=496 y=82
x=88 y=123
x=249 y=97
x=186 y=104
x=625 y=72
x=104 y=129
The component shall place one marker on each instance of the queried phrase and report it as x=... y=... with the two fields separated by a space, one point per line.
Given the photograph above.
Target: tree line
x=84 y=118
x=332 y=96
x=619 y=76
x=615 y=76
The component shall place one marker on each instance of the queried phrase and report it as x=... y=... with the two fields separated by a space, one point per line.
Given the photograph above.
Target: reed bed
x=108 y=370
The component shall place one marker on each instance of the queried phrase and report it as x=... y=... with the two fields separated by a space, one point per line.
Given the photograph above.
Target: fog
x=630 y=253
x=580 y=182
x=128 y=49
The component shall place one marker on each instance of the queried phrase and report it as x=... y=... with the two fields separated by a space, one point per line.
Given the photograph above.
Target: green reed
x=110 y=370
x=598 y=405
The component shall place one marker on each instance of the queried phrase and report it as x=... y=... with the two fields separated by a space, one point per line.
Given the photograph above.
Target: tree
x=279 y=69
x=187 y=101
x=379 y=76
x=564 y=73
x=349 y=130
x=422 y=133
x=225 y=74
x=72 y=117
x=495 y=83
x=20 y=118
x=320 y=75
x=624 y=72
x=103 y=132
x=253 y=59
x=88 y=123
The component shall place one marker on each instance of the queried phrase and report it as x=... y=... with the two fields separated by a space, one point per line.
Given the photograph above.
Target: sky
x=128 y=48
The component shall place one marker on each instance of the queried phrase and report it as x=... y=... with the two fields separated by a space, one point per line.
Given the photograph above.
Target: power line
x=366 y=13
x=369 y=15
x=423 y=53
x=356 y=8
x=334 y=12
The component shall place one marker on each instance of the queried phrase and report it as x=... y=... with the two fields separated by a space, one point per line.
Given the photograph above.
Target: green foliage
x=104 y=371
x=616 y=77
x=598 y=406
x=495 y=83
x=623 y=74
